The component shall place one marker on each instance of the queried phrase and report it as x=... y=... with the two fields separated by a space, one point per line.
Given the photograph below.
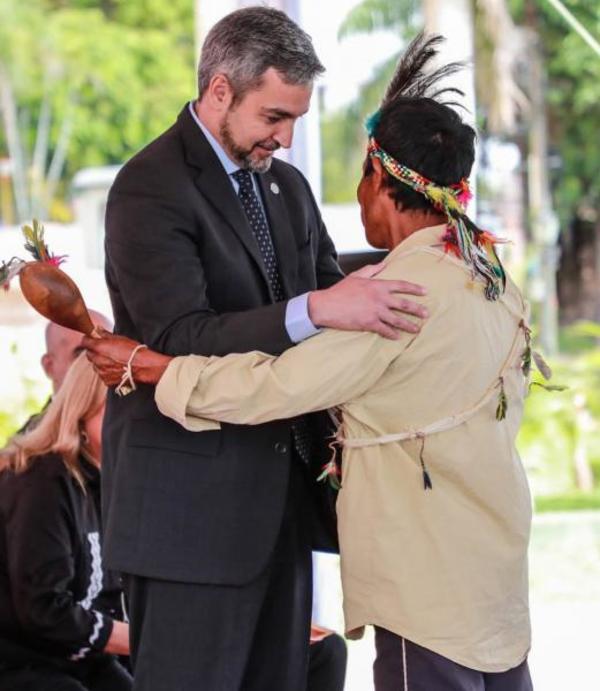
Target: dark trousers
x=194 y=637
x=327 y=664
x=404 y=666
x=104 y=675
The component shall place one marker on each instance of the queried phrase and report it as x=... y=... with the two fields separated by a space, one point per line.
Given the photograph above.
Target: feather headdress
x=413 y=80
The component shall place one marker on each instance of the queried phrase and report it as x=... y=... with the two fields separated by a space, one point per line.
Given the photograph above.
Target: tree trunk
x=543 y=220
x=38 y=163
x=459 y=44
x=579 y=271
x=15 y=148
x=60 y=154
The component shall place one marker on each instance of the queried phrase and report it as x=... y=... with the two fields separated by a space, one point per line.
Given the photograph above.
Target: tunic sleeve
x=329 y=369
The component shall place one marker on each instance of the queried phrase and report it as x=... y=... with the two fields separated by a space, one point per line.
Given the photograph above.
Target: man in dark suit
x=213 y=247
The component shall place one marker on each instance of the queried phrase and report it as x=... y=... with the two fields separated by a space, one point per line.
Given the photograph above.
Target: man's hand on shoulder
x=361 y=302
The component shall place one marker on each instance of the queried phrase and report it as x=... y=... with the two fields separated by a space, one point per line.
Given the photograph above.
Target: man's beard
x=242 y=155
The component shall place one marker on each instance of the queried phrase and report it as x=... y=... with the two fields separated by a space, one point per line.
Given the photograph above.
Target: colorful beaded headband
x=462 y=237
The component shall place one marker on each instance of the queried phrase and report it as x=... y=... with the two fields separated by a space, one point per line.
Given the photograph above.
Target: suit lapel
x=281 y=231
x=215 y=186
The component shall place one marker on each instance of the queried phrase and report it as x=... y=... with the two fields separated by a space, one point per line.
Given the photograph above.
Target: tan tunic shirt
x=446 y=567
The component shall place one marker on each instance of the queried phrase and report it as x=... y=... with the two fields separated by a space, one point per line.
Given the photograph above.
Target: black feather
x=411 y=80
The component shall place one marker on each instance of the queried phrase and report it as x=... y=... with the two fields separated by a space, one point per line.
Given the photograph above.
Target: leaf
x=502 y=404
x=585 y=328
x=323 y=475
x=548 y=387
x=526 y=361
x=542 y=365
x=334 y=483
x=330 y=472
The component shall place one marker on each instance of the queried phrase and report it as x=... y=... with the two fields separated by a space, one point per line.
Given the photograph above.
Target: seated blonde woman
x=60 y=613
x=434 y=509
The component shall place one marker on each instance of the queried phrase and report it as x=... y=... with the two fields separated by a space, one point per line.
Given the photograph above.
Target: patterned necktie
x=258 y=223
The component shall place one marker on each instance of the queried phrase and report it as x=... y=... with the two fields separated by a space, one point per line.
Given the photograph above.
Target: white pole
x=208 y=13
x=454 y=20
x=305 y=152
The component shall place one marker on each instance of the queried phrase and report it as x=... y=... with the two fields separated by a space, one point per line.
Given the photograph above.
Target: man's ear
x=378 y=173
x=379 y=177
x=47 y=363
x=220 y=93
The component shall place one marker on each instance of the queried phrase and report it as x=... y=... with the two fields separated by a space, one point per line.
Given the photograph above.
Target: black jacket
x=56 y=601
x=185 y=275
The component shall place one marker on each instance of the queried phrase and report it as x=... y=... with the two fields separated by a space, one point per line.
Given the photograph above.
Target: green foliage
x=579 y=337
x=20 y=405
x=573 y=70
x=344 y=136
x=556 y=423
x=117 y=72
x=8 y=426
x=373 y=15
x=341 y=159
x=128 y=85
x=13 y=417
x=568 y=501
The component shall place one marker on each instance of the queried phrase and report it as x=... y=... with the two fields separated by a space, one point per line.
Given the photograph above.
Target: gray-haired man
x=213 y=247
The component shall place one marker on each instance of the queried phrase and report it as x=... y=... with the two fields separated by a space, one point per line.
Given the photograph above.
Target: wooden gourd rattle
x=55 y=296
x=50 y=291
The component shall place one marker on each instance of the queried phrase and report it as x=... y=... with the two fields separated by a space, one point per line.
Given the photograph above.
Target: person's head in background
x=63 y=346
x=71 y=424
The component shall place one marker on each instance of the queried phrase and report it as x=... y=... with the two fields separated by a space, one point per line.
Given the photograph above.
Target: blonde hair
x=80 y=396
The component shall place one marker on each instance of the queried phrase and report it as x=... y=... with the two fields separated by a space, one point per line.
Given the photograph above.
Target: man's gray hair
x=247 y=42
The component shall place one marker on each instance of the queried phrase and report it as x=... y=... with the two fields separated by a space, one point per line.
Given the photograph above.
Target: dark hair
x=246 y=43
x=419 y=131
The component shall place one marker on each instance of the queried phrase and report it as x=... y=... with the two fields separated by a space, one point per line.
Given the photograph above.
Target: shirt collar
x=226 y=162
x=426 y=237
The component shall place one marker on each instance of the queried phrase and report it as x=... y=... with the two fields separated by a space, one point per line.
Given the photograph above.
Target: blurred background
x=84 y=84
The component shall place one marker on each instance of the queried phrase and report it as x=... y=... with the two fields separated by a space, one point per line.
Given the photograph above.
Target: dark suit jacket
x=185 y=276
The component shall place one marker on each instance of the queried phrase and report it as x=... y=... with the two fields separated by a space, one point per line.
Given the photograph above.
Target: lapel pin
x=274 y=188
